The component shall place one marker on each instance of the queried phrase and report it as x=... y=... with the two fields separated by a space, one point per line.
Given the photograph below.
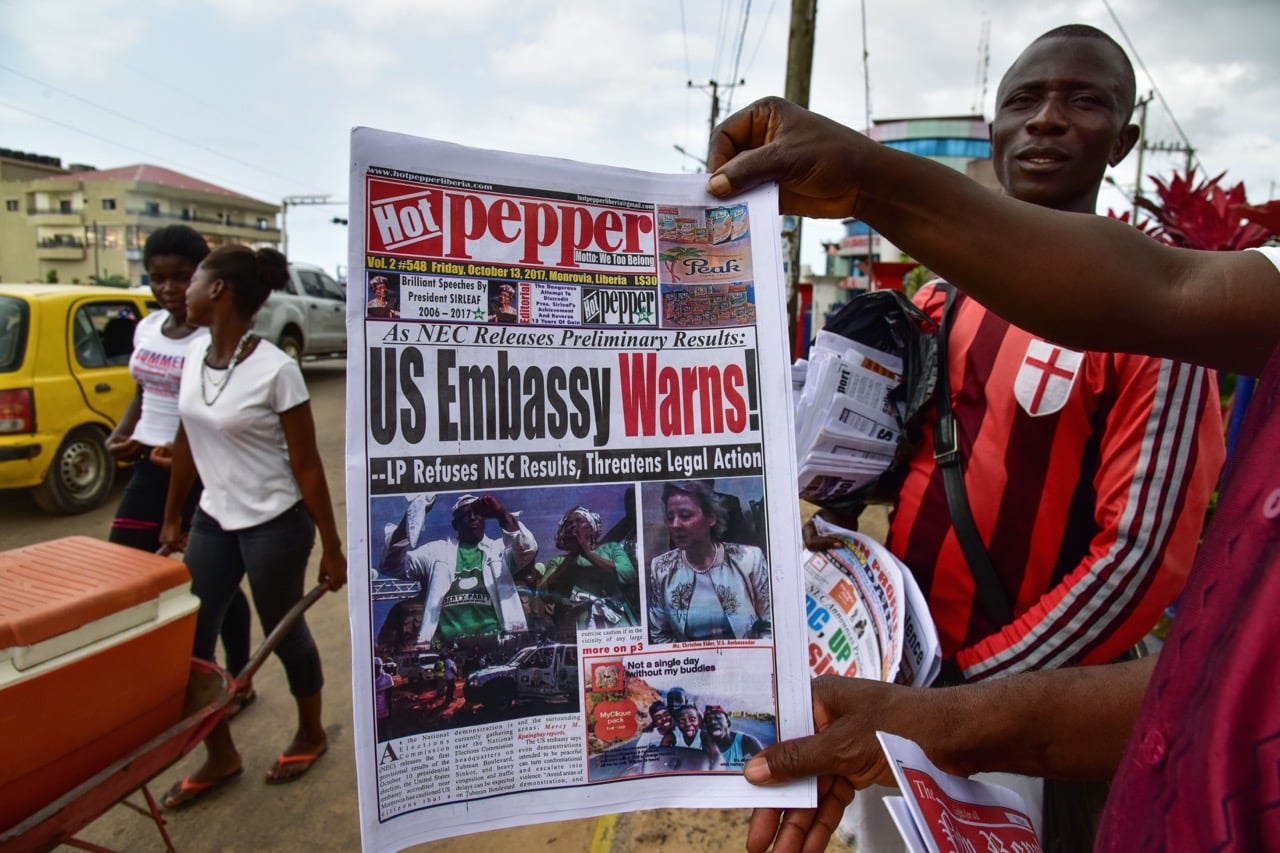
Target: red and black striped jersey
x=1088 y=475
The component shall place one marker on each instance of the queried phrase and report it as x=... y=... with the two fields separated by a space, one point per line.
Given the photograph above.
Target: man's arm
x=1100 y=284
x=1064 y=723
x=1160 y=452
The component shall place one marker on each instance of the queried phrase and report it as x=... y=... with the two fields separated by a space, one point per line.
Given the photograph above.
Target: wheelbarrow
x=209 y=690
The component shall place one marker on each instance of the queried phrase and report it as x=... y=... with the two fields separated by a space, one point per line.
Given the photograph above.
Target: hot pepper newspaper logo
x=459 y=221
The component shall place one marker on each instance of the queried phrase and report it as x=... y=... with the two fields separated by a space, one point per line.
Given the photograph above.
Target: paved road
x=319 y=813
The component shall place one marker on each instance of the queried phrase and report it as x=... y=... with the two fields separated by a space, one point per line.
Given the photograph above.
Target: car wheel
x=291 y=346
x=81 y=475
x=499 y=694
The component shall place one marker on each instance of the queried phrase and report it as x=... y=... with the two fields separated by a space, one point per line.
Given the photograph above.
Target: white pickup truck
x=308 y=317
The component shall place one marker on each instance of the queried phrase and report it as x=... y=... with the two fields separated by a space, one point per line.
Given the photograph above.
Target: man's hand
x=844 y=754
x=811 y=158
x=489 y=507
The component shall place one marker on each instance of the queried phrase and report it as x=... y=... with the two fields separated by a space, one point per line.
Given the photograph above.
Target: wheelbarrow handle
x=284 y=626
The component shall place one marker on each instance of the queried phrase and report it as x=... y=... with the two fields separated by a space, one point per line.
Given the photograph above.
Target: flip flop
x=187 y=790
x=304 y=759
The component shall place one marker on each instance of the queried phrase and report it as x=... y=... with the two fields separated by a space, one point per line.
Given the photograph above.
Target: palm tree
x=670 y=257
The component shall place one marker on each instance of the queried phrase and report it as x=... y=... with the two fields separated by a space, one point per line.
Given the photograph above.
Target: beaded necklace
x=220 y=385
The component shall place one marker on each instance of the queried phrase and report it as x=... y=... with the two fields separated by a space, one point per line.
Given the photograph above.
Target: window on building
x=112 y=236
x=975 y=149
x=151 y=208
x=108 y=204
x=11 y=205
x=262 y=224
x=64 y=206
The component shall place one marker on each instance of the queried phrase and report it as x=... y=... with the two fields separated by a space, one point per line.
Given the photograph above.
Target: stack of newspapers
x=866 y=614
x=847 y=428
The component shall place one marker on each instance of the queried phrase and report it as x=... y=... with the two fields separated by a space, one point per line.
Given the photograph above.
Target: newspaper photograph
x=574 y=500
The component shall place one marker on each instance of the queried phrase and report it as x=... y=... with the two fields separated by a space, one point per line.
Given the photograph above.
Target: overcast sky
x=259 y=95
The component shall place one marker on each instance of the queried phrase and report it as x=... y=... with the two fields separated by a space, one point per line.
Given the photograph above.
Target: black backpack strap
x=946 y=451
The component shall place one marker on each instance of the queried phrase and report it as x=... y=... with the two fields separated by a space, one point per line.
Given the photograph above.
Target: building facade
x=80 y=224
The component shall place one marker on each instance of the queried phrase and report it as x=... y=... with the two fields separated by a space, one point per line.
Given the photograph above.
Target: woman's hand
x=172 y=536
x=333 y=568
x=123 y=448
x=162 y=456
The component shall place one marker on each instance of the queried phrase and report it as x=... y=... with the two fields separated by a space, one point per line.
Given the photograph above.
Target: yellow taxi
x=64 y=384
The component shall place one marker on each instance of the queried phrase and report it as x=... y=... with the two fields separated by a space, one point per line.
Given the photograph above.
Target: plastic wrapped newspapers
x=869 y=374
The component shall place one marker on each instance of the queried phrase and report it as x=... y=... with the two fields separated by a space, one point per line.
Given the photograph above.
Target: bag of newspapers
x=871 y=371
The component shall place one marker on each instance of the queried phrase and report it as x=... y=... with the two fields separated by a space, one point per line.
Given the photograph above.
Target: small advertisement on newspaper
x=576 y=585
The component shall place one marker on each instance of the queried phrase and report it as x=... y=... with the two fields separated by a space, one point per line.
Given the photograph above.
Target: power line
x=1185 y=140
x=684 y=36
x=151 y=155
x=149 y=127
x=759 y=41
x=737 y=58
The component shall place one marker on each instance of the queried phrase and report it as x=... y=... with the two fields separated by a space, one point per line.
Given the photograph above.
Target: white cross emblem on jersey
x=1046 y=377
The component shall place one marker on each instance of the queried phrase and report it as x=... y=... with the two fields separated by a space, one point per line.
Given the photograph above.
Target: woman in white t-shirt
x=247 y=428
x=145 y=432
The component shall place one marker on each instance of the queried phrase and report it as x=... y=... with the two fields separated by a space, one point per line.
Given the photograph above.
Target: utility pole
x=799 y=72
x=1173 y=148
x=715 y=88
x=1142 y=144
x=295 y=201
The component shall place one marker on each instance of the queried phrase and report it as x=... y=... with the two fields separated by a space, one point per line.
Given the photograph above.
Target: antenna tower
x=984 y=63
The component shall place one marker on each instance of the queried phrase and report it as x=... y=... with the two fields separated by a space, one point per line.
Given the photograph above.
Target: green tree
x=916 y=279
x=112 y=280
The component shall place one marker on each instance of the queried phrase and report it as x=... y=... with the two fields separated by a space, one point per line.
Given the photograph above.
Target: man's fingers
x=834 y=795
x=782 y=762
x=742 y=153
x=762 y=829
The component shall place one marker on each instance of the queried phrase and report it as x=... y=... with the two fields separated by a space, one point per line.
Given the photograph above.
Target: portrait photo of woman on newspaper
x=704 y=587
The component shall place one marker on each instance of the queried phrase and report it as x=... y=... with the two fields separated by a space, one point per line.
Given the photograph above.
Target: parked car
x=548 y=672
x=417 y=666
x=64 y=384
x=308 y=317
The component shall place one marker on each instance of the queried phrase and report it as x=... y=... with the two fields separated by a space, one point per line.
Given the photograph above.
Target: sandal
x=304 y=760
x=243 y=698
x=187 y=790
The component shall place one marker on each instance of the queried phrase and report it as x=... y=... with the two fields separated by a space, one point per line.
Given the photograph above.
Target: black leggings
x=274 y=556
x=137 y=525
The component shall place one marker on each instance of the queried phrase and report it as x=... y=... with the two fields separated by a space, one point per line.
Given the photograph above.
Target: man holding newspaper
x=1087 y=473
x=1101 y=285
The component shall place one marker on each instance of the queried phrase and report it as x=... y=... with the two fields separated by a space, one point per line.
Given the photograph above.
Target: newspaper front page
x=571 y=479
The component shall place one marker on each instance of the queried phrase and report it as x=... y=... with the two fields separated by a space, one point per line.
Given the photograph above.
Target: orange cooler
x=95 y=650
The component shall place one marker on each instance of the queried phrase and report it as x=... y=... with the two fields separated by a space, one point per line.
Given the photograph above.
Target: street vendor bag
x=888 y=321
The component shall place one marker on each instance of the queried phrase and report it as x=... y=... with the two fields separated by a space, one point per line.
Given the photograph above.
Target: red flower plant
x=1204 y=215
